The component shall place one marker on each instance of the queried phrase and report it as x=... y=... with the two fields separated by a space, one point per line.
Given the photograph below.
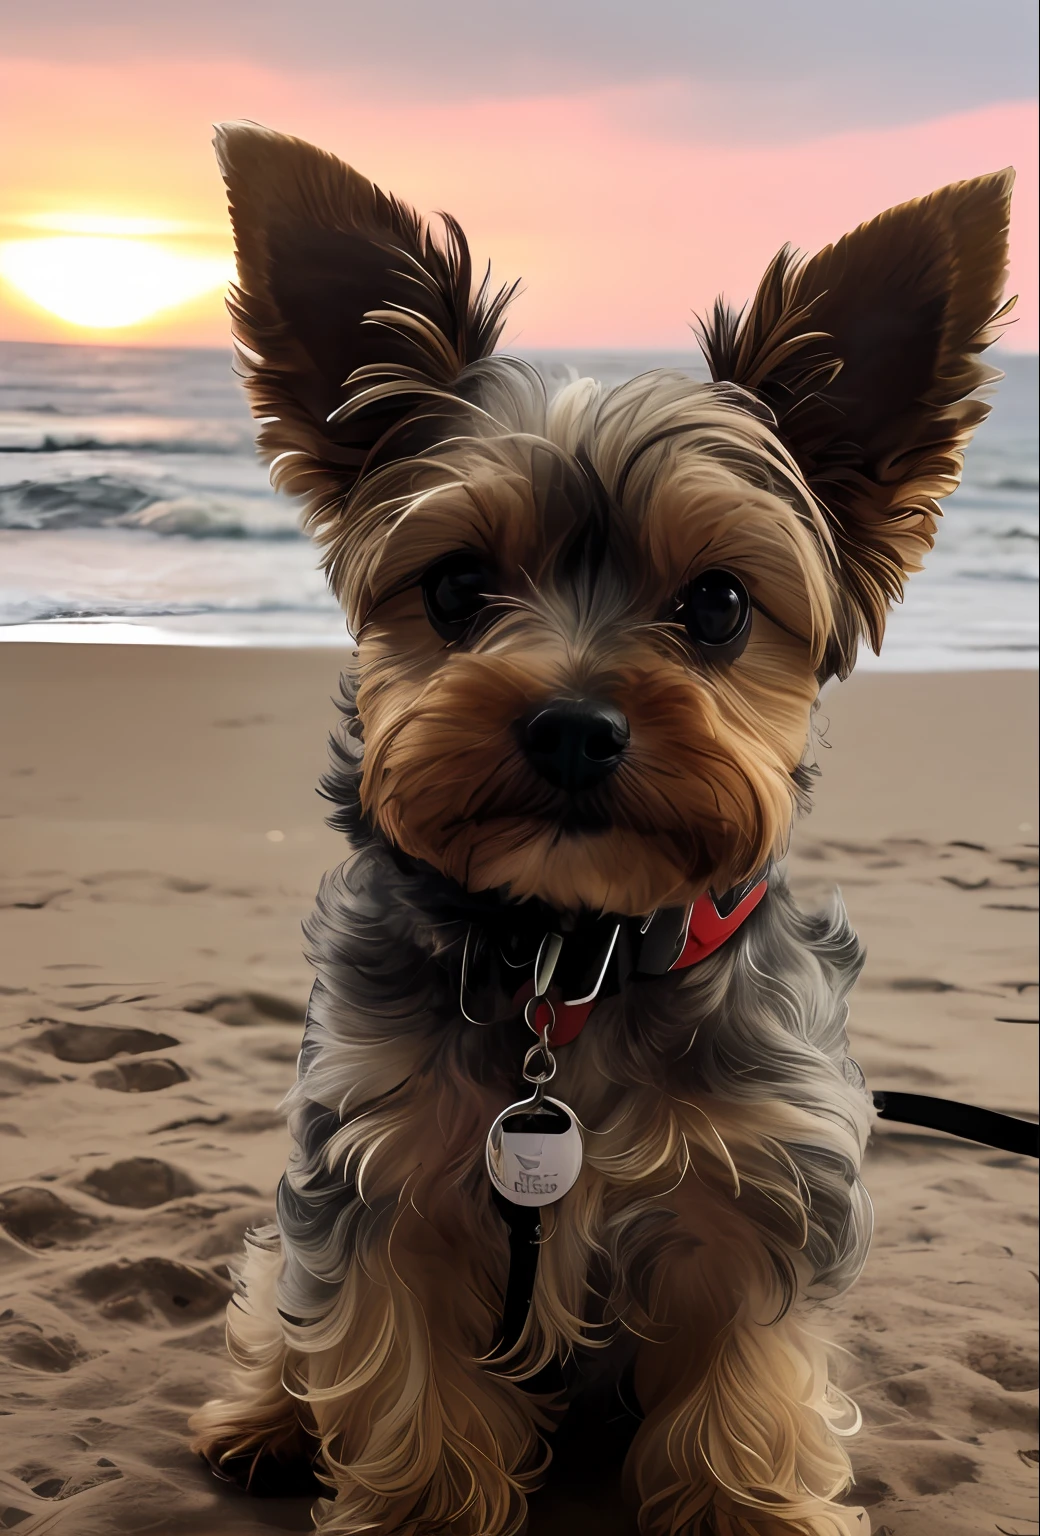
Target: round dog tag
x=534 y=1151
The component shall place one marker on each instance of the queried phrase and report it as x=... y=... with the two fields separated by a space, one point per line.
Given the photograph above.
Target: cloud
x=738 y=69
x=618 y=228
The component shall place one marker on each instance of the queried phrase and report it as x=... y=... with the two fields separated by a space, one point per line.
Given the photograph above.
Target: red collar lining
x=706 y=931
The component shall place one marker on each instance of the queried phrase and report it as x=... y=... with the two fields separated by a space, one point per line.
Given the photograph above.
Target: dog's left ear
x=352 y=319
x=867 y=354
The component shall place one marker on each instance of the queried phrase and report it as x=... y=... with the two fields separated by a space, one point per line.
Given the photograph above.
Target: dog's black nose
x=574 y=743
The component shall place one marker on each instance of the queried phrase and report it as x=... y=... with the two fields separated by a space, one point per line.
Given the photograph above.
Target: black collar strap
x=597 y=958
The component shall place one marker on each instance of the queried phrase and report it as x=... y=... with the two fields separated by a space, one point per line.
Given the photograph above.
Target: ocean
x=132 y=509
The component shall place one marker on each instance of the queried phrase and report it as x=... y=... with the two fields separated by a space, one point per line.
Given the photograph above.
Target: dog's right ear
x=868 y=356
x=351 y=320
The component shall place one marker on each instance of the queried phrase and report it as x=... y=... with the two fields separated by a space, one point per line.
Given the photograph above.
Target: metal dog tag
x=534 y=1148
x=534 y=1151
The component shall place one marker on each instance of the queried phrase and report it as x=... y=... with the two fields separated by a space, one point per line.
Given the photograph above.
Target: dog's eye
x=454 y=590
x=716 y=610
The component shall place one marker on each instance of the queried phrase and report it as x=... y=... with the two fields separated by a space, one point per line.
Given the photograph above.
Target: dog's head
x=591 y=629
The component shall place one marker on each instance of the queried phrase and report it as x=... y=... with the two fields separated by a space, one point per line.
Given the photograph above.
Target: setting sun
x=105 y=283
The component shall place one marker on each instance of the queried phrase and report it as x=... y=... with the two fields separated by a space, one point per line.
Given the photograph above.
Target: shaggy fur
x=724 y=1122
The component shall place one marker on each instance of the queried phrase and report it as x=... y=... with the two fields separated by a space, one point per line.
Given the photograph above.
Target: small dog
x=590 y=630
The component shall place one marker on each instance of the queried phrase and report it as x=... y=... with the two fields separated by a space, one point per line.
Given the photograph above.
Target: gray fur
x=761 y=1019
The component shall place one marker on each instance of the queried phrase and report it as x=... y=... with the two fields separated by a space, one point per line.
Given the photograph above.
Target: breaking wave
x=130 y=493
x=116 y=501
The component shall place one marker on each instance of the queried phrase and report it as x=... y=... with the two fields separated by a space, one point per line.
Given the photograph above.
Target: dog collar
x=598 y=956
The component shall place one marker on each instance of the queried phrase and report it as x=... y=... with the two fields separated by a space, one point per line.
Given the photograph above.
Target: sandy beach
x=161 y=841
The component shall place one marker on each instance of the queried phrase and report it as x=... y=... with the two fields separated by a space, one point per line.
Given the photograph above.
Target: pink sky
x=618 y=219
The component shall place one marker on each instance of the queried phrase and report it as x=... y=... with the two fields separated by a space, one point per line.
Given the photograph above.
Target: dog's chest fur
x=654 y=1079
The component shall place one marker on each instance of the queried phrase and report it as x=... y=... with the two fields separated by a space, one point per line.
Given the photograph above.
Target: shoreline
x=120 y=632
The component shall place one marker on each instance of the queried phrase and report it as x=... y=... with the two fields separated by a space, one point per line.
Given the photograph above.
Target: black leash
x=964 y=1120
x=525 y=1235
x=1005 y=1132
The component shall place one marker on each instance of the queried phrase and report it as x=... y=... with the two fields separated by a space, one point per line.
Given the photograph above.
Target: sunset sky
x=627 y=161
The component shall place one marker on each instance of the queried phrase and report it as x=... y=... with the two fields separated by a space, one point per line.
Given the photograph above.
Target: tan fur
x=809 y=469
x=444 y=775
x=266 y=1417
x=392 y=1378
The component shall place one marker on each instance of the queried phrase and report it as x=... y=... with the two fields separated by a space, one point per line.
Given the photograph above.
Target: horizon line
x=599 y=347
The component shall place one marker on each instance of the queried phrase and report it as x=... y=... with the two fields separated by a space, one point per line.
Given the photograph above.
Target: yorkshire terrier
x=590 y=633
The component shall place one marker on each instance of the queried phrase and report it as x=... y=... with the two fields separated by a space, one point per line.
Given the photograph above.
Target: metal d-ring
x=531 y=1008
x=546 y=1072
x=539 y=1053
